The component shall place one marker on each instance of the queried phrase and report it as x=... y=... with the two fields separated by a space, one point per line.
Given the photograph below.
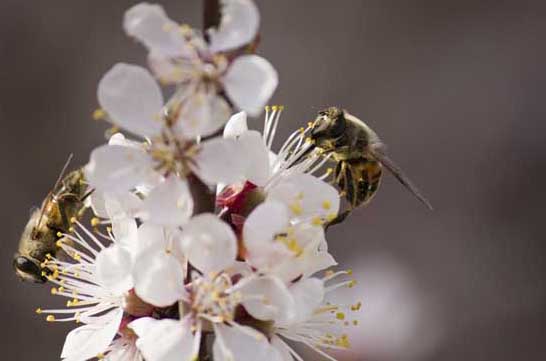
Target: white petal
x=124 y=230
x=236 y=125
x=88 y=341
x=254 y=148
x=241 y=343
x=221 y=161
x=113 y=269
x=202 y=114
x=164 y=340
x=274 y=302
x=97 y=203
x=260 y=228
x=209 y=243
x=151 y=26
x=116 y=169
x=151 y=237
x=250 y=82
x=158 y=278
x=308 y=295
x=168 y=204
x=306 y=196
x=132 y=98
x=125 y=204
x=239 y=24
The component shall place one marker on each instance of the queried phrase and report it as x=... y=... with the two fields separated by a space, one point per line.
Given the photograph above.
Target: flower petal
x=158 y=278
x=221 y=161
x=257 y=154
x=116 y=168
x=209 y=243
x=164 y=340
x=236 y=125
x=202 y=114
x=149 y=24
x=267 y=298
x=239 y=25
x=168 y=204
x=259 y=231
x=86 y=342
x=132 y=98
x=308 y=295
x=113 y=269
x=250 y=82
x=241 y=343
x=306 y=196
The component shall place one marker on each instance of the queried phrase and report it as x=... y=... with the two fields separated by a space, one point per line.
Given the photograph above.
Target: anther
x=99 y=114
x=38 y=310
x=50 y=318
x=95 y=221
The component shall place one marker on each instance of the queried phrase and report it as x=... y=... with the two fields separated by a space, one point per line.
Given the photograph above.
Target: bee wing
x=388 y=163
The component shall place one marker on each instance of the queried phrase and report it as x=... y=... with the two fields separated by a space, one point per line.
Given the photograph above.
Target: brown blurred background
x=455 y=87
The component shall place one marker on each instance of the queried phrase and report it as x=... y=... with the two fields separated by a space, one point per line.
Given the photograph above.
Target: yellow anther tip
x=59 y=243
x=99 y=114
x=50 y=318
x=59 y=234
x=340 y=316
x=95 y=221
x=38 y=310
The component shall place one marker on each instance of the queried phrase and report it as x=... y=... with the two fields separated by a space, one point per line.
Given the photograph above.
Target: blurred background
x=454 y=87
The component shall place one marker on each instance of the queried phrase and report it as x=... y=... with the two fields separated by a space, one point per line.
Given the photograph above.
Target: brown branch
x=202 y=196
x=211 y=14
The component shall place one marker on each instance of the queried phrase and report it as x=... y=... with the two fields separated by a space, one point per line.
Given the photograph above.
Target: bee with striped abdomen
x=47 y=224
x=360 y=157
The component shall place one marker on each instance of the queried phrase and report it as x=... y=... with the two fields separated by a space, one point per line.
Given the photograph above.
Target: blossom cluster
x=154 y=277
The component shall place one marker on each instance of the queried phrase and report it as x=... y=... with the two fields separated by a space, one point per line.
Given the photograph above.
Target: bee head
x=28 y=269
x=329 y=125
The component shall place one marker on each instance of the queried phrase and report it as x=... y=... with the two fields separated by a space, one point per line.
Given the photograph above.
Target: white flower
x=286 y=177
x=277 y=243
x=266 y=168
x=210 y=299
x=97 y=285
x=180 y=55
x=172 y=153
x=317 y=323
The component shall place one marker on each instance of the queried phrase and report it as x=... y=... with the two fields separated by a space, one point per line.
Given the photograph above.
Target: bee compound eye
x=26 y=265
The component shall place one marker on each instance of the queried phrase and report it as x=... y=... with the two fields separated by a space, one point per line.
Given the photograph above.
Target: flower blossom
x=201 y=70
x=98 y=285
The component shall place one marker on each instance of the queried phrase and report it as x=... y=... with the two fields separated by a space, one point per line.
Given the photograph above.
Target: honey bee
x=47 y=224
x=359 y=155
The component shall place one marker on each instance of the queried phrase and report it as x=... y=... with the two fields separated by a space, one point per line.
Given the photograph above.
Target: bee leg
x=339 y=219
x=344 y=180
x=86 y=195
x=64 y=217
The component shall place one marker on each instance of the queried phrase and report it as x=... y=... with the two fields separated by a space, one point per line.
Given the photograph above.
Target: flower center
x=172 y=154
x=212 y=298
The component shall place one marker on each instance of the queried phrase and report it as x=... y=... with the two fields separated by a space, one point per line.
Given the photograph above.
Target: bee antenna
x=50 y=194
